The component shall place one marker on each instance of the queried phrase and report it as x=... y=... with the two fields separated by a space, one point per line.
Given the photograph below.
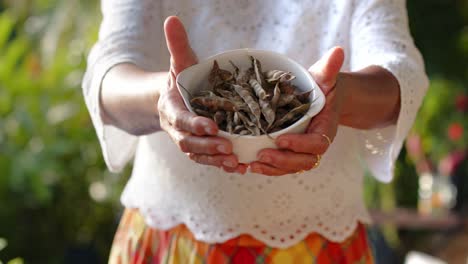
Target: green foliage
x=16 y=261
x=3 y=245
x=439 y=28
x=405 y=183
x=437 y=114
x=49 y=156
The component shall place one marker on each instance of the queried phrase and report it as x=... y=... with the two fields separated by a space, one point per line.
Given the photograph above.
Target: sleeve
x=129 y=33
x=380 y=36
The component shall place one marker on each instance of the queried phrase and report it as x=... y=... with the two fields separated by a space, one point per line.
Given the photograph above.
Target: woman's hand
x=300 y=152
x=195 y=135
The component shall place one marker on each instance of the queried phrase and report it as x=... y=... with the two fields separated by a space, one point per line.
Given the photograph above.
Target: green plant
x=56 y=195
x=3 y=245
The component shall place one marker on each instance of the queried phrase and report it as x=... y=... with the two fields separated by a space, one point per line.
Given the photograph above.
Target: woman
x=189 y=200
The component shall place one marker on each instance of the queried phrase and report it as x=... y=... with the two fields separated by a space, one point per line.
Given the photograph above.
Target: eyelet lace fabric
x=170 y=189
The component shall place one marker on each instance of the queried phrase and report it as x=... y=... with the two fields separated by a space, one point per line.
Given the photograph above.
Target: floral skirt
x=135 y=242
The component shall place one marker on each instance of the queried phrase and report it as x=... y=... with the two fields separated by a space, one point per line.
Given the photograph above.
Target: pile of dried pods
x=249 y=101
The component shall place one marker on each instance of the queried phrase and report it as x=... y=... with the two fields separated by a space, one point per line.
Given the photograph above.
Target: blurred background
x=59 y=204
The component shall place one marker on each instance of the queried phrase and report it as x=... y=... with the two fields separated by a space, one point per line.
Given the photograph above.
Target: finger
x=261 y=168
x=326 y=122
x=182 y=55
x=172 y=108
x=241 y=169
x=288 y=160
x=311 y=143
x=189 y=143
x=325 y=71
x=229 y=161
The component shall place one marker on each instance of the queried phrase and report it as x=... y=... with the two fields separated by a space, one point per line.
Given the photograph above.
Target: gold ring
x=327 y=138
x=317 y=163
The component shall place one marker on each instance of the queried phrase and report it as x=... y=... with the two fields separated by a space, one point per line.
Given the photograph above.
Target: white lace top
x=170 y=189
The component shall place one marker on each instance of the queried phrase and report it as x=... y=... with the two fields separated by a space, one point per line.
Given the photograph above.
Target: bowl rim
x=316 y=91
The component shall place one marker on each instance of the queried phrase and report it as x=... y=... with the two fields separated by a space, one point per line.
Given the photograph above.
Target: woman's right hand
x=193 y=134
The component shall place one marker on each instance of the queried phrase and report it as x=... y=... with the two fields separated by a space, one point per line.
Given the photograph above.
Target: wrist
x=129 y=98
x=370 y=98
x=145 y=103
x=344 y=96
x=156 y=83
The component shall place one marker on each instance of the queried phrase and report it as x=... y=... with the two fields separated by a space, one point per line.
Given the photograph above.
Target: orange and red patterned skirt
x=135 y=242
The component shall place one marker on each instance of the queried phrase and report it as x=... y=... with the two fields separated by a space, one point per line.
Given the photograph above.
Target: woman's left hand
x=301 y=152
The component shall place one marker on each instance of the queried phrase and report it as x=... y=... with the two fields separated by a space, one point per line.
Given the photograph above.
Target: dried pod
x=253 y=119
x=280 y=112
x=287 y=88
x=236 y=69
x=295 y=102
x=233 y=97
x=251 y=123
x=257 y=66
x=285 y=99
x=227 y=98
x=276 y=97
x=205 y=93
x=244 y=76
x=221 y=87
x=236 y=119
x=274 y=76
x=267 y=112
x=244 y=92
x=257 y=87
x=229 y=122
x=219 y=117
x=213 y=78
x=238 y=129
x=275 y=129
x=203 y=112
x=218 y=75
x=287 y=77
x=214 y=103
x=245 y=119
x=304 y=97
x=255 y=131
x=289 y=117
x=226 y=76
x=245 y=133
x=264 y=125
x=226 y=94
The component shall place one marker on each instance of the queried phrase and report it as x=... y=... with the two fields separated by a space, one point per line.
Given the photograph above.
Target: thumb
x=182 y=55
x=325 y=71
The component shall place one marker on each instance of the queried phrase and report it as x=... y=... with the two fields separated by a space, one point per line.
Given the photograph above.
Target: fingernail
x=266 y=159
x=283 y=143
x=255 y=169
x=242 y=170
x=229 y=164
x=209 y=130
x=222 y=149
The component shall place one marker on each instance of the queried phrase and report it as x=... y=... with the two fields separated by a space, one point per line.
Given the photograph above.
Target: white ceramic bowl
x=246 y=148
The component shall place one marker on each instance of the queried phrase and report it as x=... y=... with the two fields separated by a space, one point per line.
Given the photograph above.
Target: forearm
x=129 y=97
x=371 y=98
